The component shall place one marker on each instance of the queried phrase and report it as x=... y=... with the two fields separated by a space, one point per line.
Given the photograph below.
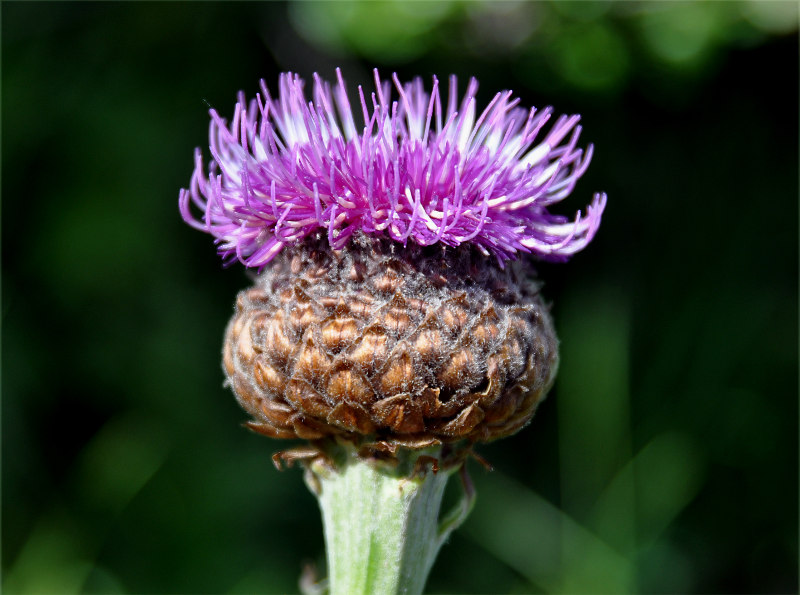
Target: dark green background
x=665 y=459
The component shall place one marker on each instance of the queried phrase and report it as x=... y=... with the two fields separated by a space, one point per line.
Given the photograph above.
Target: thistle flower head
x=422 y=167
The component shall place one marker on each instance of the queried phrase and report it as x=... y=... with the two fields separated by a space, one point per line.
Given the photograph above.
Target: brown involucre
x=389 y=345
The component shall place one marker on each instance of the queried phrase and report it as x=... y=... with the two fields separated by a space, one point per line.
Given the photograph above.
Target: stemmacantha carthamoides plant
x=392 y=324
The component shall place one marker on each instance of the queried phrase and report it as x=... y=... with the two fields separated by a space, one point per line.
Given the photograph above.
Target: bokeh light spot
x=682 y=33
x=592 y=56
x=772 y=17
x=391 y=30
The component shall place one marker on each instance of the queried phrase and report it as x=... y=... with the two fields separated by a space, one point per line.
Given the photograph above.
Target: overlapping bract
x=420 y=170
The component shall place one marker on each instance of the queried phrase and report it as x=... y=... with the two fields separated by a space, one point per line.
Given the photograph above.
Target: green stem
x=382 y=528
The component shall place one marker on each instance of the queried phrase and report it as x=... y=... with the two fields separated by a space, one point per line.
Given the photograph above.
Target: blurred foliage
x=595 y=46
x=664 y=461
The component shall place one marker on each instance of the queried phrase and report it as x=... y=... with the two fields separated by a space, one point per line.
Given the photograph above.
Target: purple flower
x=417 y=170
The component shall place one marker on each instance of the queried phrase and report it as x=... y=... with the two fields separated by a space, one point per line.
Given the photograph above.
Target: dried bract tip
x=389 y=347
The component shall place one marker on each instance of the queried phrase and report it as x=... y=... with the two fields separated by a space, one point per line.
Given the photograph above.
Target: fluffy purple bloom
x=417 y=170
